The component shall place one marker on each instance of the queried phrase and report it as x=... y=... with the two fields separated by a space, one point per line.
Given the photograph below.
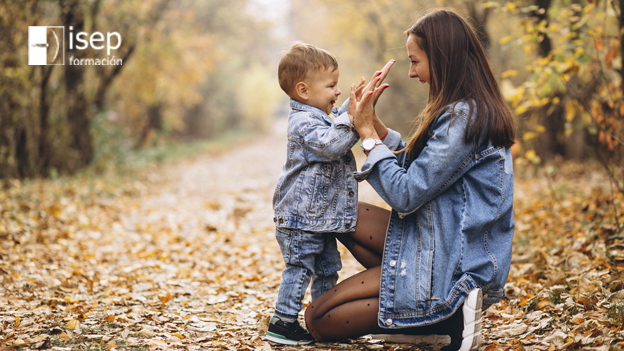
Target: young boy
x=316 y=194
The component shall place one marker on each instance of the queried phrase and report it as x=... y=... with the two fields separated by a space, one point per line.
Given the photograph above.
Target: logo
x=46 y=45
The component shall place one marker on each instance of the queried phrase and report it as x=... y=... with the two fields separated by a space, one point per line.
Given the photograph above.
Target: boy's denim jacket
x=316 y=190
x=451 y=226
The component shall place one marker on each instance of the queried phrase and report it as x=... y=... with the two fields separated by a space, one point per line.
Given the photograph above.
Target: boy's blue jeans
x=307 y=255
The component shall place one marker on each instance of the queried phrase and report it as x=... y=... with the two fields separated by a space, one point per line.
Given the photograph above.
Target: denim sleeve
x=440 y=163
x=393 y=140
x=329 y=142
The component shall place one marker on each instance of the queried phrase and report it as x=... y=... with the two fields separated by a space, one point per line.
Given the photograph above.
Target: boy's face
x=322 y=90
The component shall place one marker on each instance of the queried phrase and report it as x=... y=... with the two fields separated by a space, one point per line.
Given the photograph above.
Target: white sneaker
x=472 y=321
x=413 y=339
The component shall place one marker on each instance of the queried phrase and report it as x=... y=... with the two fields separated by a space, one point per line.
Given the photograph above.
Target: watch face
x=368 y=143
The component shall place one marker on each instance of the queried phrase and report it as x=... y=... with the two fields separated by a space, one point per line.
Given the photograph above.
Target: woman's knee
x=311 y=319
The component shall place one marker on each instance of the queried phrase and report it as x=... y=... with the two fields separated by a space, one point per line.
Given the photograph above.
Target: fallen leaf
x=509 y=330
x=73 y=324
x=544 y=303
x=109 y=318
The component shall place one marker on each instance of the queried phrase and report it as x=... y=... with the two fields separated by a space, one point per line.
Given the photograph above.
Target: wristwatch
x=369 y=143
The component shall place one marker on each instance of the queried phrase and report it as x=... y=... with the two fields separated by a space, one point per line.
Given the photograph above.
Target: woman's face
x=419 y=66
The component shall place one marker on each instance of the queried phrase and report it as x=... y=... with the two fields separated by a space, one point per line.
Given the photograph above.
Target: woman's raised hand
x=374 y=89
x=379 y=74
x=365 y=109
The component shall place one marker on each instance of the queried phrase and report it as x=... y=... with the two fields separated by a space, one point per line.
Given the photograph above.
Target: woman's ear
x=301 y=89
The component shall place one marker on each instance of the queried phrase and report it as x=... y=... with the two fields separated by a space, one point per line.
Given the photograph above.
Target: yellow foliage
x=260 y=96
x=528 y=48
x=512 y=7
x=491 y=4
x=570 y=110
x=509 y=73
x=529 y=136
x=543 y=61
x=520 y=109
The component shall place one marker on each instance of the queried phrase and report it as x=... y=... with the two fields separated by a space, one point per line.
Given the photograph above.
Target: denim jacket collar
x=296 y=105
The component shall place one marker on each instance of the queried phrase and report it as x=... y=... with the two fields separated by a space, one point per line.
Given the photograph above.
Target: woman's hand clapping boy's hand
x=360 y=89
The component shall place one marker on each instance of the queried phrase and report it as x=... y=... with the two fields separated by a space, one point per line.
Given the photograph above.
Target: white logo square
x=46 y=45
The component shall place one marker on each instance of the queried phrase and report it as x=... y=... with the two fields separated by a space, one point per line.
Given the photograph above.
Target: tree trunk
x=21 y=152
x=45 y=150
x=621 y=43
x=541 y=14
x=78 y=115
x=154 y=123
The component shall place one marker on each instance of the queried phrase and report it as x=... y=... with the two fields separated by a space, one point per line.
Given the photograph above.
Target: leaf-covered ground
x=182 y=256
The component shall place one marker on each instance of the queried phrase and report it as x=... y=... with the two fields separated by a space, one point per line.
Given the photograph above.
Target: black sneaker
x=461 y=331
x=287 y=333
x=464 y=326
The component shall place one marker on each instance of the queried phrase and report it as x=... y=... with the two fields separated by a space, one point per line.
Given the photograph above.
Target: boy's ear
x=301 y=90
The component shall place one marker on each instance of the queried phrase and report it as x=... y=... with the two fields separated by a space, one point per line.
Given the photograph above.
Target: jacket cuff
x=392 y=140
x=377 y=154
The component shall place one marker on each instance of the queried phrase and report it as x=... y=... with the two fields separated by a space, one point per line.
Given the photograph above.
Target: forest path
x=183 y=256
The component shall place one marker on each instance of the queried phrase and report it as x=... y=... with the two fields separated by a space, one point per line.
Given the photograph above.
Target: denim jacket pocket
x=319 y=188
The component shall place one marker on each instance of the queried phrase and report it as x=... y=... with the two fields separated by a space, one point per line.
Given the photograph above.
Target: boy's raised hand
x=353 y=102
x=365 y=111
x=358 y=89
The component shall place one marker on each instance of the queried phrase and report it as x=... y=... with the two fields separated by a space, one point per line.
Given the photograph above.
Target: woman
x=445 y=248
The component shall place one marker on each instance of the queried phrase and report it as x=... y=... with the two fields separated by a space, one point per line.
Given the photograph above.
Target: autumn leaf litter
x=182 y=256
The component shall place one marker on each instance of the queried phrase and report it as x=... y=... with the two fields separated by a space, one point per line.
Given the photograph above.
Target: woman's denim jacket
x=451 y=226
x=316 y=190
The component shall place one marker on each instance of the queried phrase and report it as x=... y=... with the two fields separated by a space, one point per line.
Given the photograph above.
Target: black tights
x=350 y=309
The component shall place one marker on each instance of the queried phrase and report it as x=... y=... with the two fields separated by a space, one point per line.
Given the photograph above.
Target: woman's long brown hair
x=459 y=71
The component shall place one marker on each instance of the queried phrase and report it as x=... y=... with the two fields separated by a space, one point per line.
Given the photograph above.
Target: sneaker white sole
x=284 y=341
x=413 y=339
x=472 y=321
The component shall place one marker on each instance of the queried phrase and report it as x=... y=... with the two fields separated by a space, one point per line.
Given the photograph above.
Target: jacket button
x=347 y=225
x=388 y=321
x=281 y=221
x=351 y=193
x=392 y=264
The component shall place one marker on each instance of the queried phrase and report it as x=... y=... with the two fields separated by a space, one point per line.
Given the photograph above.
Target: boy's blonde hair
x=300 y=62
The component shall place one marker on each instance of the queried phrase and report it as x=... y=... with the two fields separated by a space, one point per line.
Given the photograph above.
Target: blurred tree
x=183 y=66
x=576 y=85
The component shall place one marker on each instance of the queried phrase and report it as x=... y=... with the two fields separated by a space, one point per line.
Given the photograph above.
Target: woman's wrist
x=380 y=128
x=368 y=133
